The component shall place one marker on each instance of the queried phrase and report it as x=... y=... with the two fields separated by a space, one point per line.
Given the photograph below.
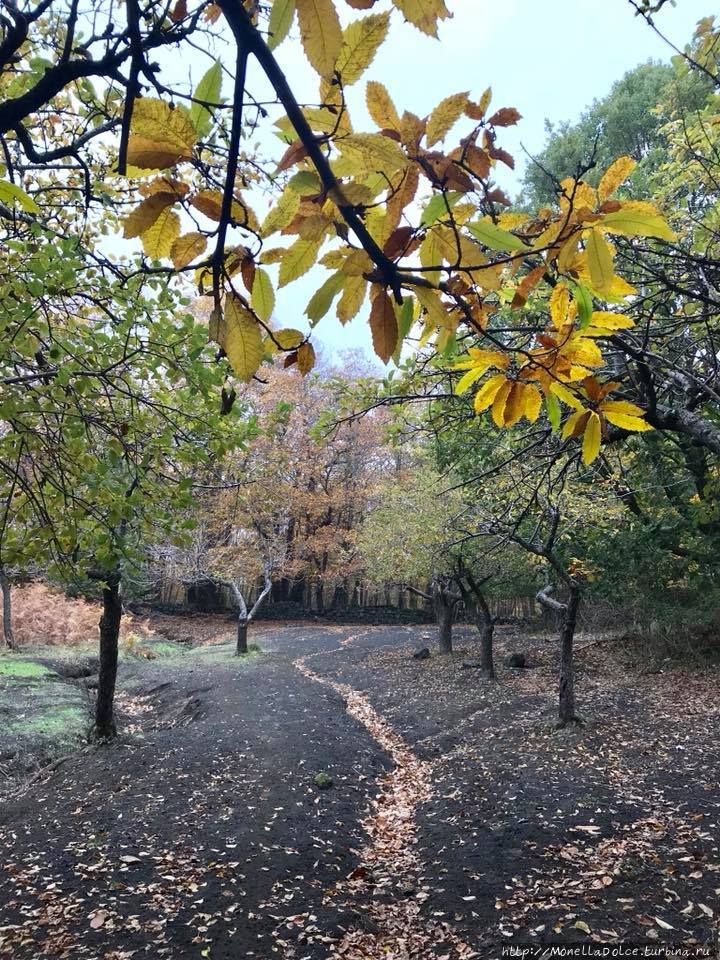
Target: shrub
x=44 y=615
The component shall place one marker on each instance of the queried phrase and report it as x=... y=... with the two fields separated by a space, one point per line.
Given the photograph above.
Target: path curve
x=389 y=860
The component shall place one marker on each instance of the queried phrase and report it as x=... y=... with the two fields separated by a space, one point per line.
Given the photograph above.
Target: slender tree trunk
x=444 y=617
x=566 y=704
x=487 y=661
x=242 y=630
x=6 y=587
x=104 y=728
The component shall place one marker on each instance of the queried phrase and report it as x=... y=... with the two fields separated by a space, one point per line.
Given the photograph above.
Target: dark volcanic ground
x=201 y=833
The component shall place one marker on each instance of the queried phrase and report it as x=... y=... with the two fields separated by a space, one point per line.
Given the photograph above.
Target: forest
x=359 y=488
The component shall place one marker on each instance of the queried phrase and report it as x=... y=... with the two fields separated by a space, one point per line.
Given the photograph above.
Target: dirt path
x=457 y=821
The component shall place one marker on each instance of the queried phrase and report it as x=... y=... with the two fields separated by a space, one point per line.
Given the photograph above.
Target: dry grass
x=43 y=615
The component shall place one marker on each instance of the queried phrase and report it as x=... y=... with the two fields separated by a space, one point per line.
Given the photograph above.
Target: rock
x=515 y=660
x=323 y=781
x=422 y=654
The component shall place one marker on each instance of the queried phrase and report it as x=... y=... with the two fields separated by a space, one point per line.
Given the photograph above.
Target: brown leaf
x=247 y=272
x=146 y=213
x=383 y=325
x=397 y=242
x=305 y=358
x=179 y=11
x=499 y=154
x=525 y=287
x=505 y=117
x=294 y=154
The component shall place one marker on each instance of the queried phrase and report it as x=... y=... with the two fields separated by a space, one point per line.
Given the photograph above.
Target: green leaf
x=262 y=298
x=553 y=411
x=281 y=18
x=208 y=90
x=494 y=237
x=584 y=300
x=11 y=193
x=322 y=299
x=438 y=207
x=305 y=182
x=405 y=322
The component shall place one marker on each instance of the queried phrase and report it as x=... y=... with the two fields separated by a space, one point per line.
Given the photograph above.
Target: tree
x=99 y=431
x=629 y=121
x=355 y=190
x=412 y=537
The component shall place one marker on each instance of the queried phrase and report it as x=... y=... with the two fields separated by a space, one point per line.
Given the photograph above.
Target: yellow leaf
x=610 y=321
x=591 y=439
x=169 y=127
x=514 y=405
x=575 y=424
x=383 y=324
x=469 y=378
x=297 y=260
x=241 y=339
x=622 y=407
x=559 y=305
x=614 y=175
x=262 y=298
x=430 y=299
x=581 y=925
x=637 y=218
x=352 y=299
x=320 y=34
x=146 y=213
x=365 y=153
x=444 y=116
x=600 y=261
x=288 y=339
x=583 y=351
x=158 y=240
x=282 y=213
x=360 y=43
x=487 y=393
x=567 y=396
x=305 y=358
x=625 y=422
x=186 y=248
x=150 y=155
x=12 y=193
x=497 y=410
x=532 y=402
x=423 y=14
x=380 y=107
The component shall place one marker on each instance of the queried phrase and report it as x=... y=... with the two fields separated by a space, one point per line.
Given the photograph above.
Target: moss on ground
x=226 y=651
x=52 y=722
x=16 y=666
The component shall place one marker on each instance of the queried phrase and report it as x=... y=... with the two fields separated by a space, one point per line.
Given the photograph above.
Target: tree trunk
x=242 y=629
x=566 y=705
x=7 y=609
x=487 y=662
x=444 y=617
x=104 y=728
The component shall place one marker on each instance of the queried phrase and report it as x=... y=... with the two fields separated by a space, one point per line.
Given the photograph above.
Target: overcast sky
x=548 y=58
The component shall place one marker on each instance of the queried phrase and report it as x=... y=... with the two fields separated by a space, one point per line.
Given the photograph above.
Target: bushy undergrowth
x=44 y=616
